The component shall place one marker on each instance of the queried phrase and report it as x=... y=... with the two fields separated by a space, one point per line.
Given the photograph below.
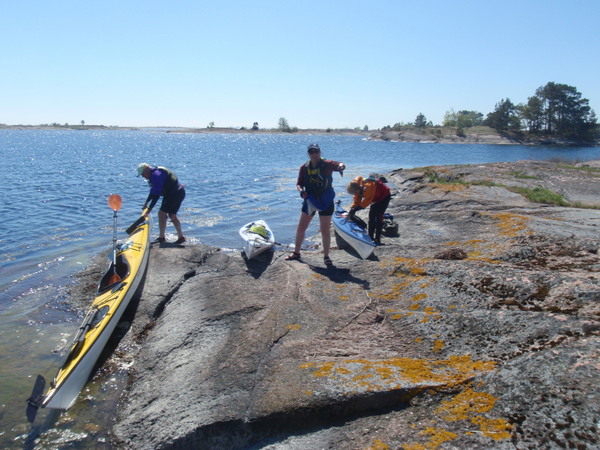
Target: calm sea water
x=55 y=219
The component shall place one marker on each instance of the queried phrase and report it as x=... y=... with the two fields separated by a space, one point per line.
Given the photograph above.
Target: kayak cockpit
x=114 y=277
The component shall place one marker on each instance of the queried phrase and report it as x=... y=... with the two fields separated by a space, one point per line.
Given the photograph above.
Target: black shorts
x=326 y=212
x=172 y=202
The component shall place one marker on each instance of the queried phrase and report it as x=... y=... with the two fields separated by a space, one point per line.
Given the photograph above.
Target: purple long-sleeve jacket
x=163 y=182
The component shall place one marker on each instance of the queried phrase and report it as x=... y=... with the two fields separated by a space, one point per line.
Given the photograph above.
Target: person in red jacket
x=370 y=191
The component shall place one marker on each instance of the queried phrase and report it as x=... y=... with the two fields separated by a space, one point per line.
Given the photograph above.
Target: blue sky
x=319 y=64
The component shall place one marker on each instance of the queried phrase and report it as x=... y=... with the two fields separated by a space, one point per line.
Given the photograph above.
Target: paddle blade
x=134 y=225
x=114 y=278
x=115 y=201
x=34 y=399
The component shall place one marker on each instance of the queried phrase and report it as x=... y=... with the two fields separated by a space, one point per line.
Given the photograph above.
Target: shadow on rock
x=258 y=265
x=339 y=275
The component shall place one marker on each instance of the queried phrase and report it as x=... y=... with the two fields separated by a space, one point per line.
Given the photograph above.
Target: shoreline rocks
x=477 y=327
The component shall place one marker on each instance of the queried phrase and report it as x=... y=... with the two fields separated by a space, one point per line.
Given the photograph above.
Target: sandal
x=327 y=260
x=293 y=257
x=160 y=240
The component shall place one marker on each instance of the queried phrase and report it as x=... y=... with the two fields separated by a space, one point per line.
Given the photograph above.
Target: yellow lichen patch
x=413 y=266
x=511 y=225
x=379 y=445
x=446 y=187
x=344 y=298
x=464 y=405
x=395 y=293
x=419 y=297
x=438 y=345
x=478 y=250
x=373 y=376
x=419 y=340
x=496 y=429
x=437 y=436
x=424 y=285
x=293 y=326
x=394 y=314
x=470 y=405
x=309 y=392
x=471 y=242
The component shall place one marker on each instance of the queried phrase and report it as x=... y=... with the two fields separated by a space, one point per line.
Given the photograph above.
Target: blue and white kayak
x=257 y=237
x=352 y=233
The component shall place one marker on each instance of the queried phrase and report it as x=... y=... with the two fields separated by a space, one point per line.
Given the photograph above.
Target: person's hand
x=341 y=168
x=303 y=194
x=352 y=213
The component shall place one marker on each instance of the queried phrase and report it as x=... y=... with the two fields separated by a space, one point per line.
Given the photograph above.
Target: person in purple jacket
x=163 y=183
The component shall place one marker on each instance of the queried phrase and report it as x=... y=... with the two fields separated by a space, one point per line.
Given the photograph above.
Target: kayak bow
x=352 y=233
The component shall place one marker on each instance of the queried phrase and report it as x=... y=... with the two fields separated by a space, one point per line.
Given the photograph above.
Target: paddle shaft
x=115 y=277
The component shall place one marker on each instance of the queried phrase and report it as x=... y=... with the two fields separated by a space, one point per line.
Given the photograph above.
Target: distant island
x=406 y=133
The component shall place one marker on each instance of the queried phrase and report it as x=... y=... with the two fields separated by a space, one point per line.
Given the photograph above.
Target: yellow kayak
x=115 y=290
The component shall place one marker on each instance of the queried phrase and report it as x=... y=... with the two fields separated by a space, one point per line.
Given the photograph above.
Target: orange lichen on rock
x=511 y=225
x=469 y=405
x=438 y=345
x=496 y=429
x=379 y=445
x=366 y=375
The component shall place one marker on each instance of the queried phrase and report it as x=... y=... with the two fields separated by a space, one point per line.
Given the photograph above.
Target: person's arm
x=300 y=183
x=150 y=201
x=336 y=166
x=157 y=181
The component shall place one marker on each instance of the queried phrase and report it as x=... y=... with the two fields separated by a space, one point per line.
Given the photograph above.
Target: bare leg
x=162 y=223
x=177 y=224
x=301 y=230
x=325 y=222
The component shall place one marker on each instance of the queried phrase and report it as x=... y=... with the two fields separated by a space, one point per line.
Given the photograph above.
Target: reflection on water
x=57 y=220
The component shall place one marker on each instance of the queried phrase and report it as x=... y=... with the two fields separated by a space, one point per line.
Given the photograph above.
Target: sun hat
x=141 y=168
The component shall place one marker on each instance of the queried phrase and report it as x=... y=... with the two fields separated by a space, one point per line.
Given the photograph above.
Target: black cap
x=314 y=146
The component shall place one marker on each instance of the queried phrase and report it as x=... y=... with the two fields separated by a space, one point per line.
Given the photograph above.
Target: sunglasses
x=314 y=150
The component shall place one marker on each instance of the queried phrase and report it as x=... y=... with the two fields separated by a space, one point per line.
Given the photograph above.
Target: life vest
x=171 y=182
x=316 y=183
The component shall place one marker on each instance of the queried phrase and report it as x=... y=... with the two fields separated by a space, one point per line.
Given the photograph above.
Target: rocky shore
x=477 y=327
x=473 y=135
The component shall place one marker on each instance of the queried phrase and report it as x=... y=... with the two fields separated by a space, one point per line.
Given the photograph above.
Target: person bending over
x=370 y=191
x=163 y=183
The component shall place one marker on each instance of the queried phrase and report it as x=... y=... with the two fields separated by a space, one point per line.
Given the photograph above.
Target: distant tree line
x=555 y=110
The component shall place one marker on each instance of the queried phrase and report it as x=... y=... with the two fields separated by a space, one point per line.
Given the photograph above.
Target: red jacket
x=374 y=191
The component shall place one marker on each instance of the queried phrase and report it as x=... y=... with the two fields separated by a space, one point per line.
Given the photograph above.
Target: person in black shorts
x=163 y=183
x=314 y=183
